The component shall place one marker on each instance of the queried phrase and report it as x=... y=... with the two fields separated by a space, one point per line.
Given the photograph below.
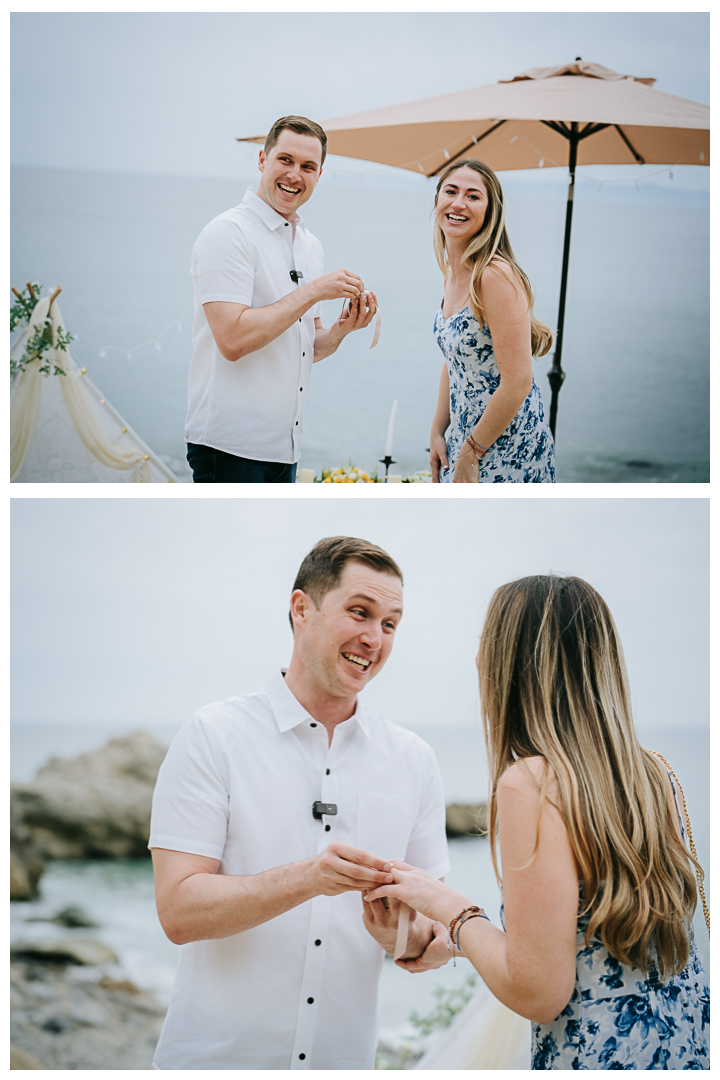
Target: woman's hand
x=438 y=456
x=466 y=467
x=423 y=892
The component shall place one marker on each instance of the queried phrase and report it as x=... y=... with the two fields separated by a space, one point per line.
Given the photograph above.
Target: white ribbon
x=376 y=335
x=402 y=932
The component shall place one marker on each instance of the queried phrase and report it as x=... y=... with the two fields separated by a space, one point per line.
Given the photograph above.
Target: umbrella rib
x=556 y=126
x=592 y=129
x=640 y=160
x=468 y=147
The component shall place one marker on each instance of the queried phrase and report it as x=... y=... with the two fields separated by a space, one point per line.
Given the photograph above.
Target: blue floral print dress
x=620 y=1018
x=524 y=453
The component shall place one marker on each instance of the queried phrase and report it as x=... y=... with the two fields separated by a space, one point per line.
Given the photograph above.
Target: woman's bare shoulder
x=500 y=282
x=527 y=775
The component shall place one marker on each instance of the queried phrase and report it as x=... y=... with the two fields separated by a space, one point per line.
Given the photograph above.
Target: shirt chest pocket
x=385 y=823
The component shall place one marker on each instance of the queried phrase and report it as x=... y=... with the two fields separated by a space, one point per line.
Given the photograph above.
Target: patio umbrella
x=575 y=114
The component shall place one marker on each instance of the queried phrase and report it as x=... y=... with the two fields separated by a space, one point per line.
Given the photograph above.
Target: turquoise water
x=634 y=406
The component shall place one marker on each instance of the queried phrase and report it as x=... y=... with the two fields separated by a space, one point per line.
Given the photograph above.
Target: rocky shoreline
x=62 y=1019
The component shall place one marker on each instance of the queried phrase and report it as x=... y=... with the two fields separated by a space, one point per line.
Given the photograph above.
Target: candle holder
x=387 y=461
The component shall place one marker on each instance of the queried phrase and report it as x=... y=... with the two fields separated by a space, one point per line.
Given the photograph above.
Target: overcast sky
x=169 y=93
x=133 y=611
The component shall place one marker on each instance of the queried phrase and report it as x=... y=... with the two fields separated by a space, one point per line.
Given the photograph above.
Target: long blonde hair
x=553 y=685
x=490 y=243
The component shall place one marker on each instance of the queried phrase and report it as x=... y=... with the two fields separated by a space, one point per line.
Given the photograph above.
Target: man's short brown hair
x=301 y=126
x=322 y=568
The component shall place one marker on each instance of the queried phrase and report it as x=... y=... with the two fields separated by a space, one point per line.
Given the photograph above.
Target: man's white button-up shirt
x=252 y=407
x=238 y=785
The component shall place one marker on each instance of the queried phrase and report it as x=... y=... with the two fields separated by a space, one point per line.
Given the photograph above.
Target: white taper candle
x=391 y=430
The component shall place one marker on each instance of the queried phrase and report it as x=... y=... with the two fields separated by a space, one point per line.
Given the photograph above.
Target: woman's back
x=621 y=1018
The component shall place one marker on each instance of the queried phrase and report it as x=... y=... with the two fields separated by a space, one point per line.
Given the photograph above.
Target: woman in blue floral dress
x=489 y=424
x=596 y=947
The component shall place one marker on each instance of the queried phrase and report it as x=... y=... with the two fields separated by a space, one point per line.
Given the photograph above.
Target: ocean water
x=119 y=894
x=634 y=406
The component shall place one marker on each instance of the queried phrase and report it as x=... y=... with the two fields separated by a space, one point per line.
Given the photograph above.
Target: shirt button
x=301 y=1056
x=296 y=423
x=313 y=724
x=311 y=1001
x=318 y=942
x=327 y=828
x=301 y=386
x=327 y=772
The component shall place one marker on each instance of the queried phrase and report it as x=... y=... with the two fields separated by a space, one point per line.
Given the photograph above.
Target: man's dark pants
x=212 y=466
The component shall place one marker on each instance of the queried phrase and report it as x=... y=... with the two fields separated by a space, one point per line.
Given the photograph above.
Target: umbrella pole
x=556 y=375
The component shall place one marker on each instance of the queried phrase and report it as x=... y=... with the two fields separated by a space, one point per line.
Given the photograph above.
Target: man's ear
x=261 y=161
x=299 y=603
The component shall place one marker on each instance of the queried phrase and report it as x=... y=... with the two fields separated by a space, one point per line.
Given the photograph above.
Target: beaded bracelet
x=467 y=913
x=478 y=915
x=475 y=445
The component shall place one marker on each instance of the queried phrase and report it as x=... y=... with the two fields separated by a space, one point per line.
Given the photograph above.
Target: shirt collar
x=267 y=215
x=288 y=711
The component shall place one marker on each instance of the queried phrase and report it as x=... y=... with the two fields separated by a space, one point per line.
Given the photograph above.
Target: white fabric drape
x=485 y=1035
x=82 y=409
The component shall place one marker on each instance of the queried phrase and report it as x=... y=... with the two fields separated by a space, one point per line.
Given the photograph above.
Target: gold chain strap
x=690 y=838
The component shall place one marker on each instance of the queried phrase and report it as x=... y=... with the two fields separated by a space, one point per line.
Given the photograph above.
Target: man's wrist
x=311 y=292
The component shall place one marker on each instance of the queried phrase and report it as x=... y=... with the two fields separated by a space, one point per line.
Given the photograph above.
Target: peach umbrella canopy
x=520 y=124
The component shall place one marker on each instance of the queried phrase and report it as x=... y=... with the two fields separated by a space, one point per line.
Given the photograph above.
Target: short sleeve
x=427 y=847
x=190 y=808
x=223 y=263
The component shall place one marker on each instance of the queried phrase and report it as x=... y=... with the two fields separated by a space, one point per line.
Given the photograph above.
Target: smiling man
x=273 y=813
x=258 y=286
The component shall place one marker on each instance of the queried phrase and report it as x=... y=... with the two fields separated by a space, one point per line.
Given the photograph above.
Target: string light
x=103 y=351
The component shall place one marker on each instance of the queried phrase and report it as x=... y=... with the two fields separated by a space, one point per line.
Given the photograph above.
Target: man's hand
x=435 y=955
x=341 y=868
x=356 y=315
x=339 y=285
x=381 y=922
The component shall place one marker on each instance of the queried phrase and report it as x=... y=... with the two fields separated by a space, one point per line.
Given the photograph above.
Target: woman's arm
x=508 y=318
x=441 y=420
x=531 y=967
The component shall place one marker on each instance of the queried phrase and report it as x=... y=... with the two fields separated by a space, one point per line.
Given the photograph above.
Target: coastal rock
x=466 y=819
x=66 y=950
x=62 y=1021
x=26 y=868
x=96 y=805
x=20 y=1060
x=72 y=917
x=26 y=863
